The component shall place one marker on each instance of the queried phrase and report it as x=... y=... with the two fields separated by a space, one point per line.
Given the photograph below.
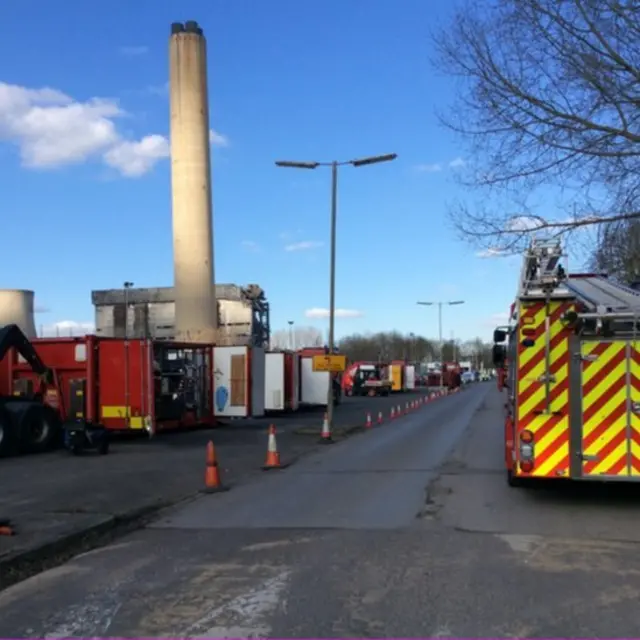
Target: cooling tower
x=196 y=310
x=16 y=307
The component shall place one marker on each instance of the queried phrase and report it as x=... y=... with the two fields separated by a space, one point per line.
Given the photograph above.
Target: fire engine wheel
x=7 y=434
x=36 y=426
x=517 y=481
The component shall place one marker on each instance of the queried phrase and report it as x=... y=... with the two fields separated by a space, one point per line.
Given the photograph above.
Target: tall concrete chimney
x=16 y=307
x=196 y=316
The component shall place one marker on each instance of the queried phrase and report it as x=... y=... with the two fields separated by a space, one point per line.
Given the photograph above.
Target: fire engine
x=571 y=372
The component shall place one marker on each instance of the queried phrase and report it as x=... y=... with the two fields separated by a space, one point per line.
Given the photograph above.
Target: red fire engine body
x=122 y=384
x=571 y=371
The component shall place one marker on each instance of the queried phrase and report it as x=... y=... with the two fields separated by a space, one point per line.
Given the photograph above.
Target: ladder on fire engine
x=542 y=275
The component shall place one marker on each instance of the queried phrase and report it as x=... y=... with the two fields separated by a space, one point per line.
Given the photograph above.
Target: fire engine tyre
x=36 y=426
x=7 y=434
x=518 y=482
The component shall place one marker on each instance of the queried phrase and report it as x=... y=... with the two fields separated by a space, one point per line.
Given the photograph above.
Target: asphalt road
x=407 y=530
x=53 y=496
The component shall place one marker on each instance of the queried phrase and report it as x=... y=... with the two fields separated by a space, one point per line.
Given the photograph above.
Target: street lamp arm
x=297 y=165
x=361 y=162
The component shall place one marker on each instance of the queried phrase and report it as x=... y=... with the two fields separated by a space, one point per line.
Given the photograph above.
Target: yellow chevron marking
x=561 y=453
x=604 y=413
x=634 y=396
x=553 y=443
x=532 y=352
x=539 y=395
x=604 y=466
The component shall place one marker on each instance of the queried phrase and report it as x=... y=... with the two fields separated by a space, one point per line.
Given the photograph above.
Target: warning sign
x=334 y=364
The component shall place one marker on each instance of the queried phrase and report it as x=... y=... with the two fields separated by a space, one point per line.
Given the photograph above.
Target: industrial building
x=242 y=314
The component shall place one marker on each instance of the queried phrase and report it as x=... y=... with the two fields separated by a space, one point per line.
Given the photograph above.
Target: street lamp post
x=440 y=305
x=332 y=260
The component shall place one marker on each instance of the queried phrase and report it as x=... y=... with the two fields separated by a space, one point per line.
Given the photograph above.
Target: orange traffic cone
x=273 y=456
x=379 y=417
x=398 y=411
x=392 y=414
x=212 y=478
x=406 y=407
x=368 y=424
x=325 y=434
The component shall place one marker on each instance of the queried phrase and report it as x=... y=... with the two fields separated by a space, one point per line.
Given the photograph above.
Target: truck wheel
x=36 y=426
x=7 y=434
x=517 y=481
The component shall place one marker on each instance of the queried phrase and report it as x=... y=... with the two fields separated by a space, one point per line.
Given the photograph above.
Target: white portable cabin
x=409 y=377
x=282 y=381
x=314 y=385
x=239 y=382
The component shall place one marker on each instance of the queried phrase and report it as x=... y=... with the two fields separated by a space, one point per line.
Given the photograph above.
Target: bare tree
x=549 y=95
x=618 y=250
x=385 y=346
x=296 y=338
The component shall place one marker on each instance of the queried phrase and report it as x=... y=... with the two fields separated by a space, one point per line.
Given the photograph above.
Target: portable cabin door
x=610 y=386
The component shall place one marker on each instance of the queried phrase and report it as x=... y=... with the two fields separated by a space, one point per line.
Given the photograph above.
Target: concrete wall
x=151 y=313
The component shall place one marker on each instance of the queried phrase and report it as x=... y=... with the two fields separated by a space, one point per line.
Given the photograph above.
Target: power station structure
x=242 y=314
x=194 y=293
x=17 y=307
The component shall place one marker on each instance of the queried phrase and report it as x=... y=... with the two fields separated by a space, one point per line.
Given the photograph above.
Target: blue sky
x=85 y=183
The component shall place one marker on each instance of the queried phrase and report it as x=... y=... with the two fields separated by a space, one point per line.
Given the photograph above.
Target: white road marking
x=246 y=616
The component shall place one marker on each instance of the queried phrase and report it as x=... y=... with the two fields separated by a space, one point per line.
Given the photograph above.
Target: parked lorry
x=123 y=385
x=366 y=379
x=569 y=361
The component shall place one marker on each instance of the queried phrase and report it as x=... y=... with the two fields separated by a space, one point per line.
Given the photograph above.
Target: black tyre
x=7 y=434
x=36 y=426
x=103 y=449
x=517 y=481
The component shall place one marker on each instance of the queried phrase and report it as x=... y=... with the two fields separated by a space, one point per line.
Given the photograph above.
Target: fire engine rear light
x=528 y=332
x=526 y=466
x=526 y=451
x=526 y=436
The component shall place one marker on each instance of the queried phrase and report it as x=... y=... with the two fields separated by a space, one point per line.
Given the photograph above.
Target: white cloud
x=317 y=312
x=134 y=51
x=524 y=223
x=134 y=159
x=250 y=245
x=458 y=163
x=68 y=328
x=491 y=253
x=51 y=130
x=429 y=168
x=303 y=246
x=218 y=139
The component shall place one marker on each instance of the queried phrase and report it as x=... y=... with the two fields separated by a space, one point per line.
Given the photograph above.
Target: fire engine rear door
x=610 y=385
x=634 y=409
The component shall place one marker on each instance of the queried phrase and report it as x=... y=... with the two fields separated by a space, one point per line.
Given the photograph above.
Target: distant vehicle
x=467 y=377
